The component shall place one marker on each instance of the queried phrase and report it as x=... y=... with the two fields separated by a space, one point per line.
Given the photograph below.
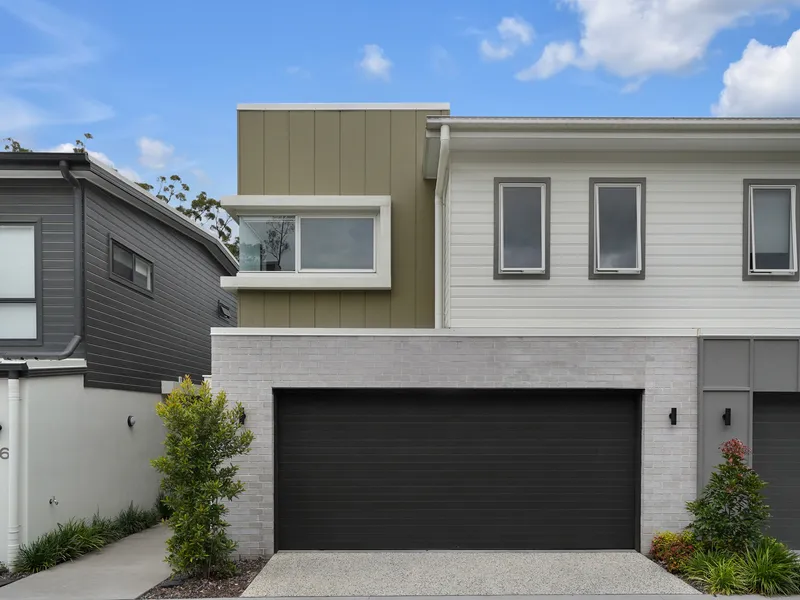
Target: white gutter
x=438 y=234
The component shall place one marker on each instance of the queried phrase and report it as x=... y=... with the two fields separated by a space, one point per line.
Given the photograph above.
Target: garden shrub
x=719 y=572
x=730 y=513
x=673 y=550
x=203 y=435
x=771 y=569
x=76 y=537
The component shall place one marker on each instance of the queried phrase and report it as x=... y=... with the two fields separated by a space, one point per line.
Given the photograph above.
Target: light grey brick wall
x=248 y=367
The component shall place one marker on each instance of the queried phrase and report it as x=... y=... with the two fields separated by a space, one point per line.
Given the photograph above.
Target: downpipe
x=14 y=466
x=438 y=271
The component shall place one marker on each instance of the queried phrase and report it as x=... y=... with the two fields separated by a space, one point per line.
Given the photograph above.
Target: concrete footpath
x=121 y=571
x=536 y=597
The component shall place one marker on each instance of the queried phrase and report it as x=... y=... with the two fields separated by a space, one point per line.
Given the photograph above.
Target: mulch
x=200 y=587
x=695 y=584
x=7 y=577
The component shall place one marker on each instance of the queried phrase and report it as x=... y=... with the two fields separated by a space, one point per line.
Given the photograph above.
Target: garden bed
x=201 y=587
x=6 y=576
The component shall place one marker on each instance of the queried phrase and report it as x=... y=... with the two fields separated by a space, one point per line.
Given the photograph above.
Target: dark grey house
x=107 y=298
x=109 y=267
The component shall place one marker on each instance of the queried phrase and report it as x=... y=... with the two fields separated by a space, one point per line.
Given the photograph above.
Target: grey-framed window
x=617 y=227
x=522 y=228
x=309 y=243
x=130 y=268
x=770 y=230
x=20 y=282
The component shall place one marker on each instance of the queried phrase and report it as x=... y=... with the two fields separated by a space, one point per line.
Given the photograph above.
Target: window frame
x=298 y=227
x=542 y=183
x=38 y=300
x=112 y=241
x=749 y=274
x=595 y=184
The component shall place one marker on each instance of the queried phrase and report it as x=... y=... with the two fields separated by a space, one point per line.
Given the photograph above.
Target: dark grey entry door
x=371 y=469
x=776 y=458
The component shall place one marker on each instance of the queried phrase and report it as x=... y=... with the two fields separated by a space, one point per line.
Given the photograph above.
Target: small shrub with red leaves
x=673 y=550
x=730 y=513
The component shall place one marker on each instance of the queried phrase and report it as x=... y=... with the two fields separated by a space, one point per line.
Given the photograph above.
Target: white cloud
x=17 y=115
x=154 y=154
x=100 y=157
x=638 y=38
x=129 y=174
x=513 y=32
x=764 y=82
x=375 y=63
x=63 y=46
x=555 y=57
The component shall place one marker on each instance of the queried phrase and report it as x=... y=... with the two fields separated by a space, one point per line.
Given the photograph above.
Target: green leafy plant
x=673 y=550
x=203 y=436
x=76 y=537
x=771 y=569
x=133 y=519
x=164 y=511
x=717 y=571
x=730 y=513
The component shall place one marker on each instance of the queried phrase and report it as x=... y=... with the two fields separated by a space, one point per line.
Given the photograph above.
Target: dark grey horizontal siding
x=134 y=340
x=52 y=202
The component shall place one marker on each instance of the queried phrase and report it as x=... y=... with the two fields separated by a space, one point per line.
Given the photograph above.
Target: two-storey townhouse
x=508 y=333
x=107 y=296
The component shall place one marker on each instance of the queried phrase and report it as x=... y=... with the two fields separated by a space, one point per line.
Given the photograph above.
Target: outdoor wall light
x=242 y=418
x=726 y=417
x=673 y=416
x=131 y=421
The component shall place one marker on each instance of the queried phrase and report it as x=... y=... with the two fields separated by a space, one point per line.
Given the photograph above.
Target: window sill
x=307 y=281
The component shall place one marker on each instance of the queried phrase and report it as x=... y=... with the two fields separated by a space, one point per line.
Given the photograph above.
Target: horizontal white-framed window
x=617 y=228
x=130 y=268
x=312 y=242
x=522 y=227
x=770 y=245
x=20 y=292
x=343 y=243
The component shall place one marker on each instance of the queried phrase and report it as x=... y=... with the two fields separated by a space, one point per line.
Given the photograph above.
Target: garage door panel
x=433 y=469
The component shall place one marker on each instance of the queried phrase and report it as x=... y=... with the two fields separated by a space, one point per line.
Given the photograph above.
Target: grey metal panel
x=776 y=365
x=776 y=457
x=726 y=363
x=715 y=432
x=134 y=341
x=51 y=203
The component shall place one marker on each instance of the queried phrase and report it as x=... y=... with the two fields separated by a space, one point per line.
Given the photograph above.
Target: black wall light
x=726 y=417
x=242 y=418
x=131 y=421
x=673 y=416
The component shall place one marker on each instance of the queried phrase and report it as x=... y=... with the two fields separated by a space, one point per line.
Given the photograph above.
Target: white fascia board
x=381 y=280
x=581 y=332
x=348 y=106
x=274 y=204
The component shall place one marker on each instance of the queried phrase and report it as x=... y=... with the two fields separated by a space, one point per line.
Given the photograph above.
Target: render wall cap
x=348 y=106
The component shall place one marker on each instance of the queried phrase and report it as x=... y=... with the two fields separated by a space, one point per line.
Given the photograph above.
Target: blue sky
x=157 y=83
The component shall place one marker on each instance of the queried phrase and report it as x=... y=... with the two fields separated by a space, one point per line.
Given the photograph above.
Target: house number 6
x=4 y=453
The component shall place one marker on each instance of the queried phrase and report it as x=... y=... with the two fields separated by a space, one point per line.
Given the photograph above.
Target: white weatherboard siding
x=693 y=245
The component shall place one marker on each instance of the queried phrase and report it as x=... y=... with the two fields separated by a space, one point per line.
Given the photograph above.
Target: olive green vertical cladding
x=322 y=152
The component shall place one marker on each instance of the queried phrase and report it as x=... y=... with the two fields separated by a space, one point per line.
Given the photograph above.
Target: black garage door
x=776 y=457
x=460 y=469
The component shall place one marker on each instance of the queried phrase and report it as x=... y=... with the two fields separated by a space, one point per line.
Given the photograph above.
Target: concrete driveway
x=462 y=574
